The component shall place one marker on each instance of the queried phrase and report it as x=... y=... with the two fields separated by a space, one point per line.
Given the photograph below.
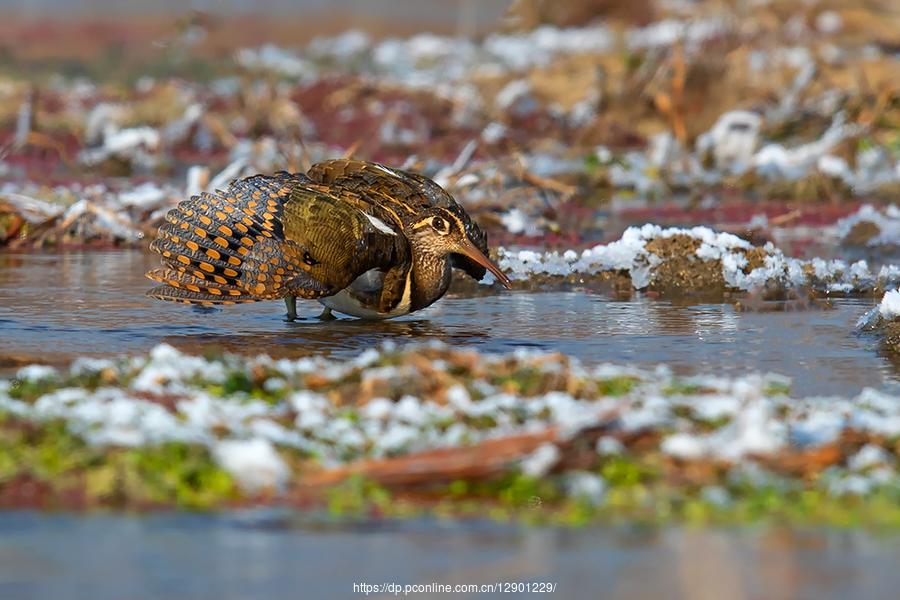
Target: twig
x=781 y=220
x=550 y=184
x=349 y=152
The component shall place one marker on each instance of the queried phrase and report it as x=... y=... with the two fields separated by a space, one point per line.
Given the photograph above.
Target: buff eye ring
x=440 y=225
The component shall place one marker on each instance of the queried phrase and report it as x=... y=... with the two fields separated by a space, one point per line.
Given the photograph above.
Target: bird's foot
x=291 y=303
x=326 y=315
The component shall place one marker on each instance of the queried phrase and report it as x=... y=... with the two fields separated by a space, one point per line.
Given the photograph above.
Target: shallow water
x=189 y=556
x=55 y=307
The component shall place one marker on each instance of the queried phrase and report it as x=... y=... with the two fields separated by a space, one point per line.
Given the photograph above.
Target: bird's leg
x=326 y=315
x=291 y=303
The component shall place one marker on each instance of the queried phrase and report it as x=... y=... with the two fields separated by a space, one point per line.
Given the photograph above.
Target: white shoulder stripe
x=384 y=169
x=379 y=224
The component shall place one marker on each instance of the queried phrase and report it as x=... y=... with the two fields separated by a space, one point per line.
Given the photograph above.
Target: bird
x=365 y=240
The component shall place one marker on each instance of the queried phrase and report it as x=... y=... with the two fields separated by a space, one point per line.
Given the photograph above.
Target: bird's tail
x=227 y=247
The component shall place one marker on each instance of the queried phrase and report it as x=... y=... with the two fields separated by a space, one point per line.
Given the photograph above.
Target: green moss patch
x=42 y=465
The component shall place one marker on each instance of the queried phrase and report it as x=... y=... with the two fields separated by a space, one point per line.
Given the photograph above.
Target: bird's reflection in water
x=341 y=339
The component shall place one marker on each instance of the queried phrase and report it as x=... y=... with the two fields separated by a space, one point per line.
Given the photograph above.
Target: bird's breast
x=360 y=299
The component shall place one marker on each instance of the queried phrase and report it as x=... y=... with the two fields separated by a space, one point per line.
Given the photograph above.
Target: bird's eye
x=440 y=225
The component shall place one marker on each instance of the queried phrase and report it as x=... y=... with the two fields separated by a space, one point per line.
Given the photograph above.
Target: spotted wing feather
x=184 y=287
x=230 y=241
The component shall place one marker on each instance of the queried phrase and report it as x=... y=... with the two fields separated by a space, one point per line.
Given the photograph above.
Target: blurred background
x=603 y=104
x=563 y=127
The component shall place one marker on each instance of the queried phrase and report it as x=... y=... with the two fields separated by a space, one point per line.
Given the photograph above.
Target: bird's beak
x=467 y=248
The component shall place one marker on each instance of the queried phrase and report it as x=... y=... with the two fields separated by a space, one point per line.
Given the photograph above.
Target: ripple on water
x=60 y=306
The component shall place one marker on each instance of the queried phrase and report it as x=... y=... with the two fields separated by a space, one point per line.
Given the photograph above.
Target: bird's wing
x=335 y=240
x=267 y=237
x=391 y=193
x=227 y=247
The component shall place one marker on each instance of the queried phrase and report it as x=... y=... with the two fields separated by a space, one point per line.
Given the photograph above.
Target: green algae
x=66 y=470
x=636 y=493
x=29 y=391
x=358 y=496
x=641 y=486
x=616 y=386
x=184 y=476
x=542 y=502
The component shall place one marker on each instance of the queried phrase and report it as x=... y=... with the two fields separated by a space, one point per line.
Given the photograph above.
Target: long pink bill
x=467 y=248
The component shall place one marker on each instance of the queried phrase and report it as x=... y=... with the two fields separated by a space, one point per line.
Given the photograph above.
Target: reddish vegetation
x=741 y=211
x=325 y=102
x=27 y=491
x=134 y=35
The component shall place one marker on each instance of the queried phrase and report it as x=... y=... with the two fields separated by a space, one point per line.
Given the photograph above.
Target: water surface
x=55 y=307
x=193 y=557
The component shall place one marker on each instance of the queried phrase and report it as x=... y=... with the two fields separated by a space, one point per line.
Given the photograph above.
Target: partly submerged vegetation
x=549 y=133
x=431 y=430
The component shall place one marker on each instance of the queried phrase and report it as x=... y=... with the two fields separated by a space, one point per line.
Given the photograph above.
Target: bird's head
x=443 y=233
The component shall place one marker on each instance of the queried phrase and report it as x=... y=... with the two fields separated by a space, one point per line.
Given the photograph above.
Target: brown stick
x=550 y=184
x=782 y=219
x=351 y=151
x=487 y=459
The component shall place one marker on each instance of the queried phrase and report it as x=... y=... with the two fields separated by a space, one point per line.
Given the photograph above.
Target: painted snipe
x=363 y=239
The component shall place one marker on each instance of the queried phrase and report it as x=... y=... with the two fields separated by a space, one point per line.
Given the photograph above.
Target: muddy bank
x=883 y=322
x=692 y=263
